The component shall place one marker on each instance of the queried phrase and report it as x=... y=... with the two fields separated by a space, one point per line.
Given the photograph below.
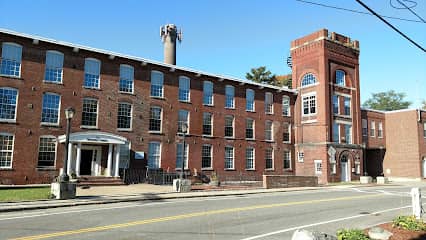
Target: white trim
x=13 y=149
x=16 y=106
x=342 y=94
x=343 y=122
x=309 y=94
x=59 y=110
x=95 y=137
x=56 y=151
x=316 y=162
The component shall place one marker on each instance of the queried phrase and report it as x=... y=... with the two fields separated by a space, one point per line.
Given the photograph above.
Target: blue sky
x=231 y=36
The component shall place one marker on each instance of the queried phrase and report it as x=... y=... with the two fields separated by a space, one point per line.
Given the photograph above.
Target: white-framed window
x=249 y=128
x=207 y=124
x=380 y=130
x=336 y=132
x=269 y=103
x=46 y=152
x=208 y=93
x=286 y=132
x=124 y=115
x=340 y=78
x=90 y=112
x=250 y=158
x=348 y=133
x=308 y=79
x=269 y=135
x=157 y=81
x=309 y=106
x=250 y=100
x=206 y=156
x=184 y=89
x=229 y=126
x=347 y=103
x=182 y=153
x=183 y=118
x=286 y=106
x=8 y=103
x=54 y=66
x=287 y=160
x=92 y=72
x=229 y=157
x=11 y=56
x=155 y=117
x=6 y=150
x=50 y=108
x=318 y=167
x=269 y=158
x=372 y=129
x=229 y=96
x=300 y=156
x=336 y=103
x=127 y=76
x=154 y=155
x=364 y=124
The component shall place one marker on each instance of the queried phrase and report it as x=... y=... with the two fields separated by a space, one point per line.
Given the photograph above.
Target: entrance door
x=86 y=162
x=344 y=168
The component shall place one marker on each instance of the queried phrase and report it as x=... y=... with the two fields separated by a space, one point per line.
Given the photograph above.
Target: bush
x=351 y=234
x=409 y=223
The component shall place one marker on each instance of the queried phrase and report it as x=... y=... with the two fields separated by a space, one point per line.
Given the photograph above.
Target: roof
x=144 y=60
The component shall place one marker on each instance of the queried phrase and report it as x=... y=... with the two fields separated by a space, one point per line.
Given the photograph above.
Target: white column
x=78 y=160
x=69 y=159
x=109 y=163
x=117 y=160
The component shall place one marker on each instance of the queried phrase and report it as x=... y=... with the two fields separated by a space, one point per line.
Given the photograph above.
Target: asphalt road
x=255 y=216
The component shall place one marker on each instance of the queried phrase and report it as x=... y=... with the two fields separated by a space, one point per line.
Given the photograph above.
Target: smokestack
x=169 y=34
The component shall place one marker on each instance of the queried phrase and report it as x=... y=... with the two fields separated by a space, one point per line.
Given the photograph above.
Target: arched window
x=54 y=65
x=340 y=78
x=308 y=79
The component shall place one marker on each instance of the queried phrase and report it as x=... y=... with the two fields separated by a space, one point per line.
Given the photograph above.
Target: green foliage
x=24 y=194
x=387 y=101
x=409 y=223
x=351 y=234
x=261 y=75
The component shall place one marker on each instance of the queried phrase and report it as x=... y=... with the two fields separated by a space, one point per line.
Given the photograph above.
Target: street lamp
x=184 y=129
x=69 y=114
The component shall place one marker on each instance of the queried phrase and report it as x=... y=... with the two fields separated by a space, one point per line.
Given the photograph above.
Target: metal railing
x=151 y=176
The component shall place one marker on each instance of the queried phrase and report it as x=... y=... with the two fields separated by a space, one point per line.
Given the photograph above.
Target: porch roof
x=94 y=137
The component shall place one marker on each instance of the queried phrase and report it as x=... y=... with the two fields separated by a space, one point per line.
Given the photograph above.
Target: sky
x=229 y=37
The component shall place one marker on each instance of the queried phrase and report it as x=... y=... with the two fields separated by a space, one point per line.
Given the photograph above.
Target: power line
x=409 y=9
x=413 y=2
x=390 y=25
x=355 y=11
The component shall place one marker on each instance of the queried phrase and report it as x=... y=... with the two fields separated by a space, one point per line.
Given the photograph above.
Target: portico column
x=117 y=159
x=69 y=159
x=109 y=163
x=78 y=160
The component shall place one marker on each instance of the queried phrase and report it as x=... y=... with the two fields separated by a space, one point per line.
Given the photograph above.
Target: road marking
x=189 y=215
x=321 y=223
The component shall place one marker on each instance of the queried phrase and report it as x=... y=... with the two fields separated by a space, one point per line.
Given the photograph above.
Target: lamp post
x=69 y=114
x=364 y=158
x=184 y=129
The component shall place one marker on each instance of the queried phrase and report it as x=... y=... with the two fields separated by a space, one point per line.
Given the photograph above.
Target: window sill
x=51 y=82
x=124 y=130
x=208 y=105
x=179 y=169
x=127 y=93
x=230 y=108
x=207 y=136
x=288 y=169
x=229 y=138
x=251 y=111
x=229 y=169
x=55 y=125
x=183 y=101
x=309 y=121
x=250 y=139
x=251 y=169
x=46 y=169
x=269 y=113
x=157 y=97
x=287 y=115
x=269 y=170
x=155 y=132
x=7 y=169
x=207 y=169
x=12 y=77
x=287 y=142
x=269 y=141
x=92 y=88
x=89 y=127
x=13 y=121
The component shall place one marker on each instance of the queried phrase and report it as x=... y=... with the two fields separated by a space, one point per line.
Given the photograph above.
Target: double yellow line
x=189 y=215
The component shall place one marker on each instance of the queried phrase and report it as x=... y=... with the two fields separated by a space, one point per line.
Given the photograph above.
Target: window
x=92 y=71
x=229 y=157
x=229 y=126
x=335 y=104
x=286 y=106
x=206 y=156
x=127 y=75
x=318 y=167
x=269 y=131
x=336 y=132
x=50 y=111
x=269 y=107
x=183 y=117
x=372 y=129
x=207 y=124
x=124 y=116
x=6 y=150
x=10 y=64
x=250 y=100
x=229 y=96
x=155 y=119
x=46 y=152
x=181 y=154
x=286 y=132
x=340 y=77
x=348 y=133
x=208 y=93
x=309 y=104
x=364 y=127
x=380 y=130
x=269 y=158
x=300 y=156
x=287 y=160
x=184 y=86
x=157 y=80
x=250 y=158
x=8 y=102
x=308 y=79
x=54 y=65
x=125 y=155
x=90 y=112
x=347 y=101
x=249 y=128
x=154 y=155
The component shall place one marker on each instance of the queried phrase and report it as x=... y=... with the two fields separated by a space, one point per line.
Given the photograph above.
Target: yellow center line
x=189 y=215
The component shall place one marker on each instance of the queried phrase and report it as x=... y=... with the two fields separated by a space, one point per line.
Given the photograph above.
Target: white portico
x=85 y=153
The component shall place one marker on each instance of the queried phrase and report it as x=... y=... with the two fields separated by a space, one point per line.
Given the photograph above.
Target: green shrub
x=409 y=223
x=351 y=234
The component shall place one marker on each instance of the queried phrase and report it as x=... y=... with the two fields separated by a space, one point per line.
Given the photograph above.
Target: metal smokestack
x=169 y=34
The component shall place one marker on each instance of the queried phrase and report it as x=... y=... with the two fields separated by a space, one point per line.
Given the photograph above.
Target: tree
x=261 y=75
x=283 y=80
x=424 y=104
x=387 y=101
